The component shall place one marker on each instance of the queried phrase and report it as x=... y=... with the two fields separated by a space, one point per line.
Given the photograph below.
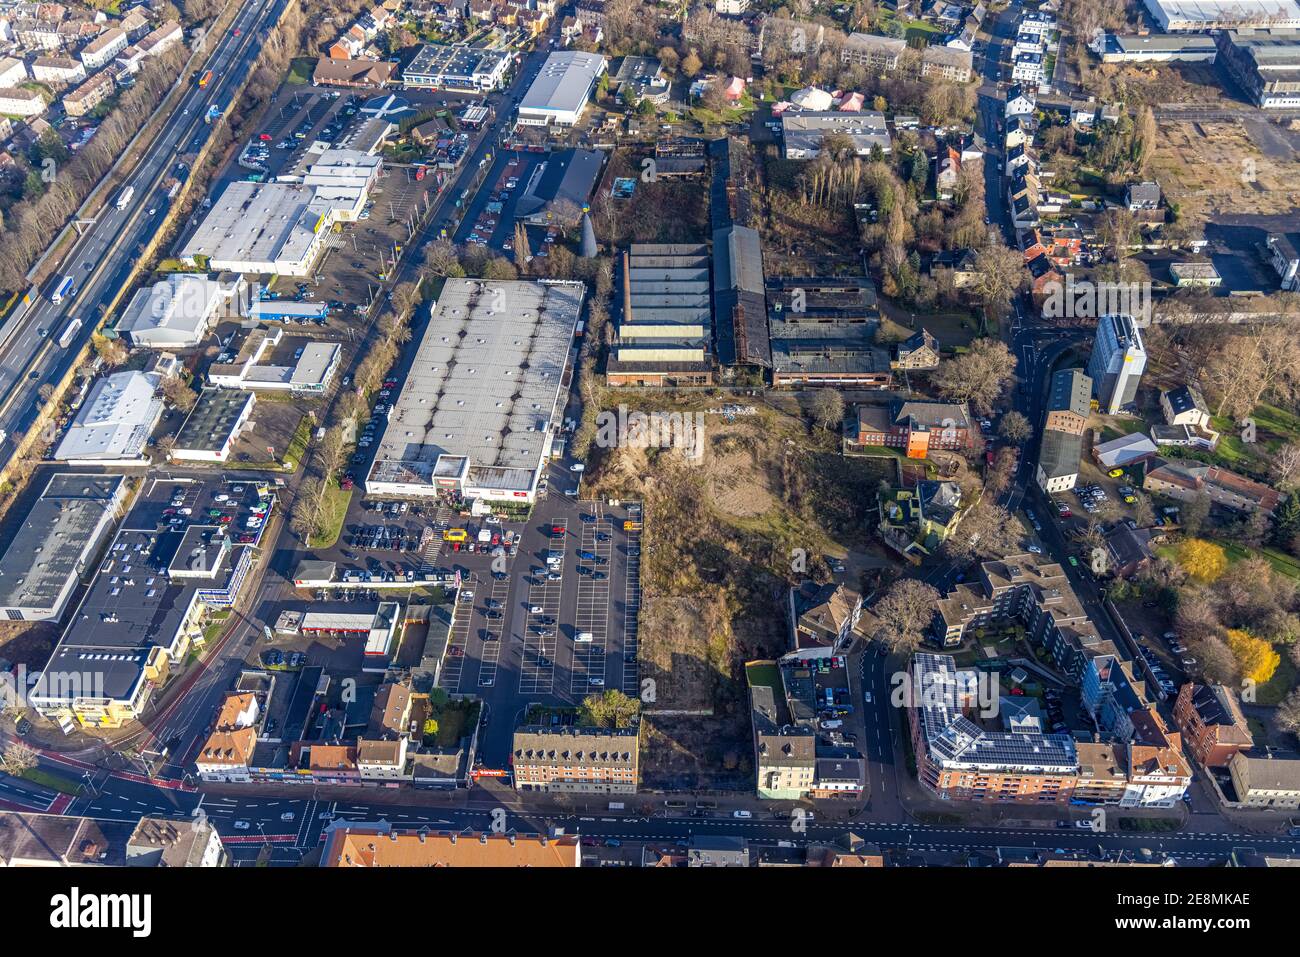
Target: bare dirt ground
x=1215 y=169
x=717 y=563
x=28 y=643
x=1152 y=85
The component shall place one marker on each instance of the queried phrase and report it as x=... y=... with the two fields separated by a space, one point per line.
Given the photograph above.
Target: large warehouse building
x=476 y=416
x=55 y=543
x=115 y=422
x=1266 y=63
x=139 y=618
x=280 y=228
x=562 y=88
x=1199 y=16
x=176 y=312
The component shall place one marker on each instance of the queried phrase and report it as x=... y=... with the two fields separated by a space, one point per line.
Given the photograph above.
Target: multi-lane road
x=103 y=255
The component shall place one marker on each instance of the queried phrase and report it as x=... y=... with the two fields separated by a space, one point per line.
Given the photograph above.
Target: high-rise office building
x=1118 y=359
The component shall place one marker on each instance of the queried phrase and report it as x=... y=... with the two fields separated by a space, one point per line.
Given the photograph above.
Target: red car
x=224 y=520
x=237 y=33
x=557 y=529
x=346 y=484
x=265 y=137
x=245 y=539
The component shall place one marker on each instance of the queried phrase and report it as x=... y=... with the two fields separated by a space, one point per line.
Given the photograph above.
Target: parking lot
x=515 y=637
x=241 y=505
x=490 y=218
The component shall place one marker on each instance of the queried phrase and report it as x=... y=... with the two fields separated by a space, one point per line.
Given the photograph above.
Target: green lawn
x=53 y=781
x=333 y=513
x=1282 y=563
x=1273 y=428
x=301 y=70
x=1271 y=693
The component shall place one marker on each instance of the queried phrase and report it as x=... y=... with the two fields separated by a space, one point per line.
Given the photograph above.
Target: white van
x=583 y=636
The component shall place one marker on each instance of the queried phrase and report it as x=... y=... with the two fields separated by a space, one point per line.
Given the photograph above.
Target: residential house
x=823 y=616
x=1281 y=251
x=962 y=262
x=918 y=351
x=382 y=760
x=1185 y=405
x=59 y=70
x=1187 y=481
x=916 y=522
x=90 y=94
x=227 y=752
x=1129 y=549
x=349 y=844
x=101 y=50
x=1212 y=724
x=1028 y=68
x=1020 y=102
x=717 y=852
x=878 y=54
x=180 y=842
x=1158 y=774
x=947 y=63
x=947 y=173
x=1142 y=196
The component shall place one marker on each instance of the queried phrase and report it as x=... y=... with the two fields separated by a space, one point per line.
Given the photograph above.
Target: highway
x=101 y=258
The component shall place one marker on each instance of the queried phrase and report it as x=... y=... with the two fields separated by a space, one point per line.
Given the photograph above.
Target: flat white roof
x=1205 y=13
x=564 y=83
x=173 y=311
x=116 y=420
x=485 y=384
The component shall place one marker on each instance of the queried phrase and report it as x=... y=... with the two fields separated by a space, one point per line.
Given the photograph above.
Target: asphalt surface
x=294 y=826
x=102 y=257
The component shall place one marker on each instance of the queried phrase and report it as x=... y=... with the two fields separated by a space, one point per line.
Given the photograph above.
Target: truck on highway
x=214 y=113
x=69 y=333
x=205 y=78
x=64 y=288
x=124 y=197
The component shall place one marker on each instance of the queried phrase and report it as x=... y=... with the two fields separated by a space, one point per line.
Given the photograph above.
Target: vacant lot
x=724 y=538
x=1214 y=169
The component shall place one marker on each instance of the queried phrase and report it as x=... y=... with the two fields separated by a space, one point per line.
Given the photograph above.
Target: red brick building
x=1212 y=724
x=915 y=427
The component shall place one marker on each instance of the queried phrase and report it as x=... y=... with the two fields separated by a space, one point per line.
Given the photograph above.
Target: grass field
x=301 y=70
x=54 y=782
x=333 y=513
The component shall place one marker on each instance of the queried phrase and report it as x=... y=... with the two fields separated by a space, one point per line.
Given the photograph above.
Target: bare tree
x=904 y=612
x=1015 y=428
x=978 y=376
x=827 y=408
x=17 y=759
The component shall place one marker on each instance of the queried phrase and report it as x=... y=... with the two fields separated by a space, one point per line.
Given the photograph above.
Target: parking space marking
x=492 y=628
x=537 y=668
x=631 y=611
x=453 y=665
x=592 y=616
